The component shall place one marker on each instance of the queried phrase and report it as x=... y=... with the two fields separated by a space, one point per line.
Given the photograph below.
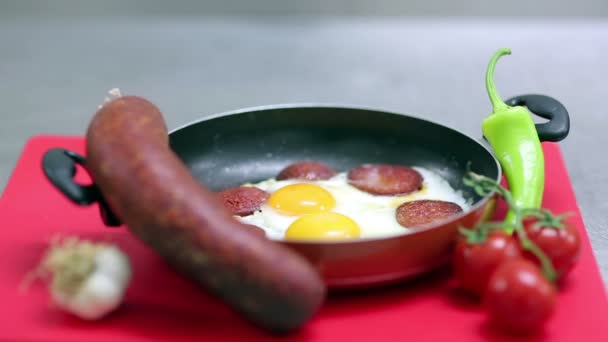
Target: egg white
x=375 y=214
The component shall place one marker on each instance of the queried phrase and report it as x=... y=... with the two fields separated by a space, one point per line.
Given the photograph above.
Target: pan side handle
x=558 y=126
x=59 y=167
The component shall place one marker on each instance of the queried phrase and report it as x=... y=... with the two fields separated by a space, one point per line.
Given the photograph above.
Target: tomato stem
x=473 y=236
x=527 y=244
x=531 y=212
x=484 y=186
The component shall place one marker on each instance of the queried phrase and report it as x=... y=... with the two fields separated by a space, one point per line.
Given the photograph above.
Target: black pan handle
x=558 y=126
x=59 y=166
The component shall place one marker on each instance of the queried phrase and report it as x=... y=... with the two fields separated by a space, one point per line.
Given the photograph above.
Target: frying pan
x=254 y=144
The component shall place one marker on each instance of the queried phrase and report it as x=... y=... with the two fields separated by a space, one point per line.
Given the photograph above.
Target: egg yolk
x=323 y=226
x=302 y=198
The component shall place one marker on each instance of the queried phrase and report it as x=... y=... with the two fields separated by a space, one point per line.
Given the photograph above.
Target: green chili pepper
x=513 y=137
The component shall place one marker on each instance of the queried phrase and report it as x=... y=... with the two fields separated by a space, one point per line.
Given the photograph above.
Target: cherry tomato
x=474 y=262
x=519 y=299
x=561 y=245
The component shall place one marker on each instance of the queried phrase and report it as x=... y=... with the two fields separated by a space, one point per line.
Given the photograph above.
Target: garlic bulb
x=88 y=279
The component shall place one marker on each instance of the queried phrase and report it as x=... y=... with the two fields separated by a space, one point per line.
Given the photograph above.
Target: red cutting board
x=160 y=305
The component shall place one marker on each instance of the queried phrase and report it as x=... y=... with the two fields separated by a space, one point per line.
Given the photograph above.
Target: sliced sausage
x=383 y=179
x=243 y=200
x=423 y=212
x=154 y=194
x=307 y=170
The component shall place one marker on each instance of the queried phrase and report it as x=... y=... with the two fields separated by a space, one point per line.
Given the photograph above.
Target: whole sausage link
x=155 y=195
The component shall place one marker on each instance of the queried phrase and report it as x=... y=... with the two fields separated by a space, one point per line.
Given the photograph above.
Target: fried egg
x=333 y=209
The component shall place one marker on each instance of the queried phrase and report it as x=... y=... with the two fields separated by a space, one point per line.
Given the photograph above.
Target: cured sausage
x=307 y=170
x=423 y=212
x=256 y=229
x=243 y=200
x=150 y=190
x=384 y=179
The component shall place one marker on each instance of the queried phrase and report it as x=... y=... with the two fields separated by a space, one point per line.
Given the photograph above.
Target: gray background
x=366 y=8
x=195 y=58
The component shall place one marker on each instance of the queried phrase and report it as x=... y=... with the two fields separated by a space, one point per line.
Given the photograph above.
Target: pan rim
x=320 y=105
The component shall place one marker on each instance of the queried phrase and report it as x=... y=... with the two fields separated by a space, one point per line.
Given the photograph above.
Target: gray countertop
x=54 y=72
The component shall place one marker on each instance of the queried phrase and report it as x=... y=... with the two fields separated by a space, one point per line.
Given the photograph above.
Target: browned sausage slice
x=423 y=212
x=384 y=179
x=307 y=170
x=243 y=200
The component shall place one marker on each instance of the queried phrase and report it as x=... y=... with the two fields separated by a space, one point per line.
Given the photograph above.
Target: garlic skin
x=102 y=292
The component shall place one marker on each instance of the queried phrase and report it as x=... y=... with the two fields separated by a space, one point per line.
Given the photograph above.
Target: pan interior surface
x=250 y=146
